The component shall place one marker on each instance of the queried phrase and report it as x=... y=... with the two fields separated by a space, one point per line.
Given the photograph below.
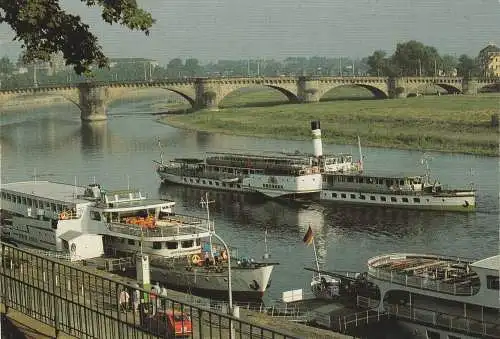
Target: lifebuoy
x=195 y=259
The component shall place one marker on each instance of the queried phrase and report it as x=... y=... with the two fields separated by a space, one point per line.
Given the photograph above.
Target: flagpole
x=316 y=256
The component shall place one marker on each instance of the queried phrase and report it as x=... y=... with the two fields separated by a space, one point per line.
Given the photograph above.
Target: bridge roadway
x=207 y=93
x=68 y=300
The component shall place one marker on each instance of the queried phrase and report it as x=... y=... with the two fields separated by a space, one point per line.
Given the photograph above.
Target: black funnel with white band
x=316 y=135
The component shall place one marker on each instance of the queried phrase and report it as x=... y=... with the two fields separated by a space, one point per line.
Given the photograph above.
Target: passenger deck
x=443 y=274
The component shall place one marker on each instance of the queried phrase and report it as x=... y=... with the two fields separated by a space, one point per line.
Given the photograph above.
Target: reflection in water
x=95 y=136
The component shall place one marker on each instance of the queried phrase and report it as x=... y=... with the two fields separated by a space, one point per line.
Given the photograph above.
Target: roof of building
x=491 y=263
x=47 y=190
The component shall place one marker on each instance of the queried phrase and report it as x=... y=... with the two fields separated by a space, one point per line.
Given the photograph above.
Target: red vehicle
x=179 y=324
x=172 y=324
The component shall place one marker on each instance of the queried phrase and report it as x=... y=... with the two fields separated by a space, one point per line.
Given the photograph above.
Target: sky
x=239 y=29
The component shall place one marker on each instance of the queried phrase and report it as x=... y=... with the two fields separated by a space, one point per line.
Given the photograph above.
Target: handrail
x=441 y=319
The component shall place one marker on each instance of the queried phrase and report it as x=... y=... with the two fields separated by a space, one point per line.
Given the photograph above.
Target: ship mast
x=211 y=225
x=161 y=150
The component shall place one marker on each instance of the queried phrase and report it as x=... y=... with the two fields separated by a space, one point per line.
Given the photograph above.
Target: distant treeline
x=410 y=58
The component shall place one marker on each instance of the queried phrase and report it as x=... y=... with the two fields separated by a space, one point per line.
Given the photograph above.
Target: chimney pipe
x=316 y=135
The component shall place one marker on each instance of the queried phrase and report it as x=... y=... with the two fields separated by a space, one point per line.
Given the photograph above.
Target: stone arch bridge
x=92 y=98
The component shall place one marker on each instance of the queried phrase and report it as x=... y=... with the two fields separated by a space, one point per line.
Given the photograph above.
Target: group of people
x=155 y=296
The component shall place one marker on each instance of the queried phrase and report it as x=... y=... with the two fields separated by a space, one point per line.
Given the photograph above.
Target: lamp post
x=211 y=232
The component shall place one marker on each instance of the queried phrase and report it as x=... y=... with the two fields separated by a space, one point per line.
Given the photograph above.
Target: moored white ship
x=438 y=297
x=81 y=223
x=283 y=175
x=404 y=191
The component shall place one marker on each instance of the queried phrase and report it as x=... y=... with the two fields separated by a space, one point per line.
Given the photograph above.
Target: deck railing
x=400 y=278
x=185 y=226
x=444 y=320
x=86 y=304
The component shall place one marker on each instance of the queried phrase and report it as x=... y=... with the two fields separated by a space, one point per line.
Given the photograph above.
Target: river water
x=53 y=144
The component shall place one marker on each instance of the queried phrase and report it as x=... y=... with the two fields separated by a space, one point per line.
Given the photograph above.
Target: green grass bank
x=445 y=123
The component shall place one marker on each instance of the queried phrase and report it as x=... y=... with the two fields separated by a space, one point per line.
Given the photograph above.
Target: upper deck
x=47 y=190
x=450 y=275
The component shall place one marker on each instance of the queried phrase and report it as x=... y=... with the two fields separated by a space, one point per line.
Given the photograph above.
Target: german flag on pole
x=308 y=238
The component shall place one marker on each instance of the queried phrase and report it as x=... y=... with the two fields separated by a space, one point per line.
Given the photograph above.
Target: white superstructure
x=83 y=222
x=279 y=175
x=439 y=297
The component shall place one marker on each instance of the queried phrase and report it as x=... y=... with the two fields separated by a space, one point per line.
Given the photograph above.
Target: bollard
x=44 y=276
x=11 y=265
x=21 y=269
x=69 y=285
x=82 y=291
x=57 y=280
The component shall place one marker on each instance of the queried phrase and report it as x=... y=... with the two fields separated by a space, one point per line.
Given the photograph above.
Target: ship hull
x=281 y=187
x=248 y=284
x=461 y=202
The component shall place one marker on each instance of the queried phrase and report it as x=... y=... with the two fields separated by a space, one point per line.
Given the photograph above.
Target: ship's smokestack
x=316 y=135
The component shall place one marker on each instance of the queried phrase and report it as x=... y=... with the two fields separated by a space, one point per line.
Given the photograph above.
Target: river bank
x=459 y=124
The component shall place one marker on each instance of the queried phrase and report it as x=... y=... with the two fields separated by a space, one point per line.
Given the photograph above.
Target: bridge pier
x=470 y=86
x=93 y=100
x=307 y=90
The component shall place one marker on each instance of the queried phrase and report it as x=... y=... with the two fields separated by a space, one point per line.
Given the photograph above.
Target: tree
x=6 y=66
x=467 y=67
x=175 y=68
x=377 y=63
x=44 y=28
x=448 y=64
x=414 y=58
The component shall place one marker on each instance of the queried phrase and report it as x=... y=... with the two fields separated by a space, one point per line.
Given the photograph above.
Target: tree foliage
x=44 y=28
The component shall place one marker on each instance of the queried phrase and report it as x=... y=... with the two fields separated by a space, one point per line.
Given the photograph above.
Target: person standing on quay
x=124 y=300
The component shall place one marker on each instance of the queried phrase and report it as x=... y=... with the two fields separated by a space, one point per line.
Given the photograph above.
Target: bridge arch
x=375 y=89
x=186 y=96
x=449 y=88
x=287 y=92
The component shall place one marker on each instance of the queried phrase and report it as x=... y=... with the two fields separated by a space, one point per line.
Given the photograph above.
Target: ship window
x=362 y=197
x=191 y=180
x=24 y=200
x=492 y=282
x=380 y=181
x=416 y=199
x=393 y=199
x=405 y=199
x=372 y=197
x=239 y=186
x=353 y=196
x=334 y=195
x=350 y=179
x=29 y=202
x=203 y=181
x=433 y=335
x=171 y=245
x=216 y=183
x=95 y=215
x=156 y=245
x=401 y=182
x=187 y=243
x=210 y=182
x=360 y=180
x=343 y=195
x=131 y=242
x=185 y=179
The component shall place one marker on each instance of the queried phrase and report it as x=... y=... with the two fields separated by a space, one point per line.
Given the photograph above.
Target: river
x=53 y=144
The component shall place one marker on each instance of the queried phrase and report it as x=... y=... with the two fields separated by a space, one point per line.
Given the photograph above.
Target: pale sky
x=240 y=29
